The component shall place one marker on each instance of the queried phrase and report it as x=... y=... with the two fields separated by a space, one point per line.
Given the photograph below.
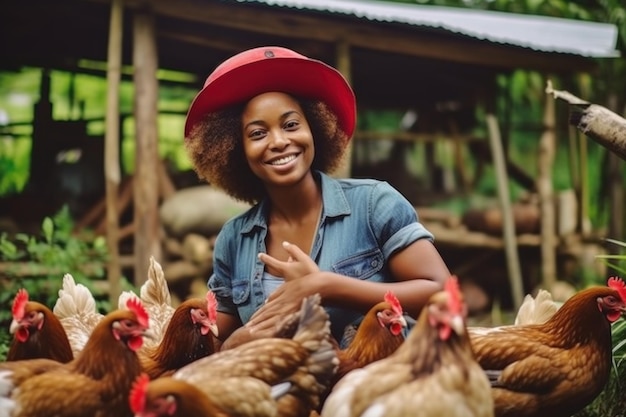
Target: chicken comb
x=138 y=393
x=211 y=306
x=618 y=284
x=394 y=302
x=455 y=302
x=19 y=304
x=135 y=305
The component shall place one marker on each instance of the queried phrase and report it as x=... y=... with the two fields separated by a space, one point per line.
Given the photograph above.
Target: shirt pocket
x=362 y=265
x=241 y=292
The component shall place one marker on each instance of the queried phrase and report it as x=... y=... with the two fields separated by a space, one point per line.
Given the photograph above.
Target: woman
x=268 y=127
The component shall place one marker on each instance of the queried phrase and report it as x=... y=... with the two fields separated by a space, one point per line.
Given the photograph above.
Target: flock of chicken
x=152 y=360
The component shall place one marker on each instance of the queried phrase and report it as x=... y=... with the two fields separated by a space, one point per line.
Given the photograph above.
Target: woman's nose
x=278 y=139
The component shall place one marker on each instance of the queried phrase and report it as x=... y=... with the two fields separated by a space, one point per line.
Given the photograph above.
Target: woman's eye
x=256 y=134
x=291 y=124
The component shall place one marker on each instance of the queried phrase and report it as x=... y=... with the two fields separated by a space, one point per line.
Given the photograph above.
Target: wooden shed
x=435 y=63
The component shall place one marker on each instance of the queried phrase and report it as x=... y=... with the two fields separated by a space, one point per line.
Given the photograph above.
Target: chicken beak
x=14 y=326
x=214 y=329
x=458 y=324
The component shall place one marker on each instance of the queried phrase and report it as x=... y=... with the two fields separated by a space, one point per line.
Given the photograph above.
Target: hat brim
x=307 y=78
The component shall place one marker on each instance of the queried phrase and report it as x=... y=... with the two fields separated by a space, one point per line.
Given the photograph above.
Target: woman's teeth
x=283 y=161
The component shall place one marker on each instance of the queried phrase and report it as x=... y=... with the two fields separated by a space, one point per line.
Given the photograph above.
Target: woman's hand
x=298 y=265
x=288 y=297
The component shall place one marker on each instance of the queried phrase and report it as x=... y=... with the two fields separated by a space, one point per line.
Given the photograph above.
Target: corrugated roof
x=540 y=33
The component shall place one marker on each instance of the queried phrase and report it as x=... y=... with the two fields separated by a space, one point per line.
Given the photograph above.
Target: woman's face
x=277 y=139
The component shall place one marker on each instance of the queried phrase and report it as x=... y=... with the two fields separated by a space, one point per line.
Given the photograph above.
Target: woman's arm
x=418 y=272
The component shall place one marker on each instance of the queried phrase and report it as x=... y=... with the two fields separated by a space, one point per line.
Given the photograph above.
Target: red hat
x=272 y=68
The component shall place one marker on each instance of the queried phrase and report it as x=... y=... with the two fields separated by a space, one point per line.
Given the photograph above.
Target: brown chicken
x=378 y=336
x=556 y=368
x=96 y=383
x=168 y=397
x=433 y=373
x=301 y=365
x=38 y=333
x=188 y=337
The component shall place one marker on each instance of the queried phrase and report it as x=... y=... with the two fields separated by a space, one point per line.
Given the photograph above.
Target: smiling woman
x=269 y=127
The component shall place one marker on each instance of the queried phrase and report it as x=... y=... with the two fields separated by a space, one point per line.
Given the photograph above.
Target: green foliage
x=47 y=257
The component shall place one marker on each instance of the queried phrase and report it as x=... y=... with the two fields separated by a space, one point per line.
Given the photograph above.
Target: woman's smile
x=283 y=160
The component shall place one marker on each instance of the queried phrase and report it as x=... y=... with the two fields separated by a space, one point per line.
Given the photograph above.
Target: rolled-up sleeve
x=219 y=281
x=395 y=220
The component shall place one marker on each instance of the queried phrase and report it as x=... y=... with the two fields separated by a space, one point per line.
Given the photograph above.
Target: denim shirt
x=363 y=223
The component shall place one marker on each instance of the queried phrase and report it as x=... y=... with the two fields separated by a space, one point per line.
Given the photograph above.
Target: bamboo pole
x=146 y=186
x=509 y=234
x=599 y=123
x=547 y=149
x=111 y=149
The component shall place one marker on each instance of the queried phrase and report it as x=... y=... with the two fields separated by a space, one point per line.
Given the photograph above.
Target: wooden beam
x=112 y=170
x=146 y=184
x=407 y=39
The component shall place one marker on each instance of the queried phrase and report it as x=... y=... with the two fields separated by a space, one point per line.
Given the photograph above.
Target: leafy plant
x=38 y=263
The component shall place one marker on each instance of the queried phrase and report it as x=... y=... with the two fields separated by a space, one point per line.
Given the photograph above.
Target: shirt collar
x=335 y=204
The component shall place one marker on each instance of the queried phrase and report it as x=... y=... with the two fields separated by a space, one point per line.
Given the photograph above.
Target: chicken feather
x=76 y=309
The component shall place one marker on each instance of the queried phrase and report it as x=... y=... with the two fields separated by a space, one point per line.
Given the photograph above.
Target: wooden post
x=111 y=149
x=345 y=67
x=146 y=186
x=547 y=149
x=509 y=233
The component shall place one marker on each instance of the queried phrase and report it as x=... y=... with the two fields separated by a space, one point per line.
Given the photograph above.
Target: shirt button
x=374 y=264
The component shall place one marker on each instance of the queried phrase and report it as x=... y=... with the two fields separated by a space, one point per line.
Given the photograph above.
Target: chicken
x=76 y=307
x=558 y=367
x=306 y=361
x=433 y=373
x=38 y=333
x=187 y=337
x=95 y=383
x=169 y=397
x=378 y=336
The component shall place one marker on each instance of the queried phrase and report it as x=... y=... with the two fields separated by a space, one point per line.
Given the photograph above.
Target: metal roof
x=540 y=33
